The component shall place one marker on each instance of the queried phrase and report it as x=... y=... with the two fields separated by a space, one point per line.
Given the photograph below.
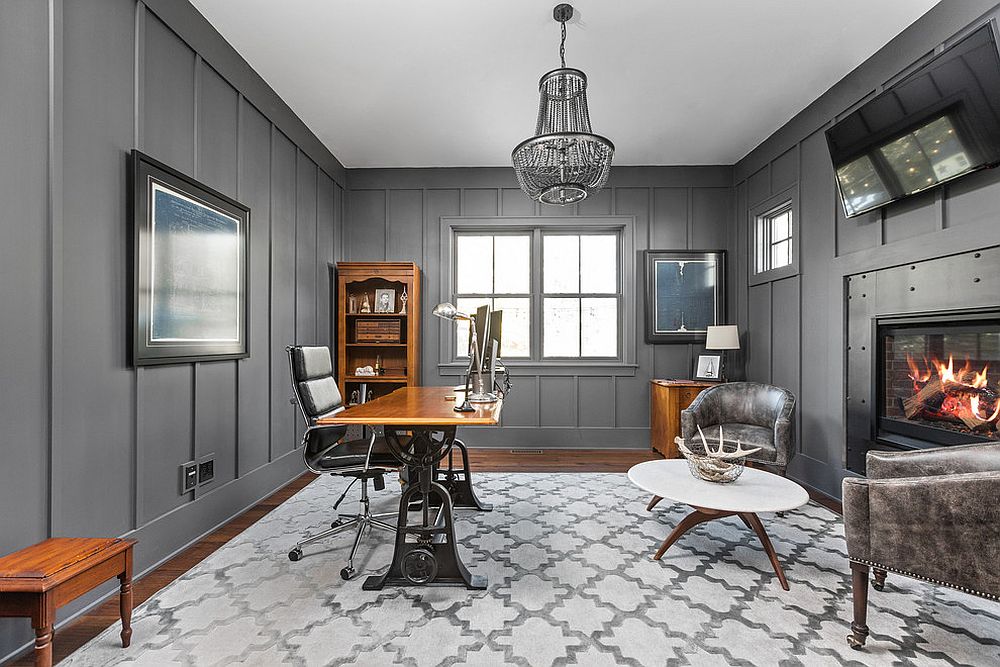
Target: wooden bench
x=36 y=581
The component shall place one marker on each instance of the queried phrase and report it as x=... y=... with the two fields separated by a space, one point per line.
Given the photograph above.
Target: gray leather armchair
x=759 y=415
x=931 y=514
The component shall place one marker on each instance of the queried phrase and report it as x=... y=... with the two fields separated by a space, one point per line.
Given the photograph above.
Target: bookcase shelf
x=400 y=359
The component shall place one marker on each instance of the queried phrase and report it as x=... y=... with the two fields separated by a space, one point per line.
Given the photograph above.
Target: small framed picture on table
x=709 y=367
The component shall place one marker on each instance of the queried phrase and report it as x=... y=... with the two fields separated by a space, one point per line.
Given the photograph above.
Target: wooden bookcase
x=400 y=355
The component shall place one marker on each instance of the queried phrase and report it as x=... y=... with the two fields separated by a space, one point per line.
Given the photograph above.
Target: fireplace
x=938 y=380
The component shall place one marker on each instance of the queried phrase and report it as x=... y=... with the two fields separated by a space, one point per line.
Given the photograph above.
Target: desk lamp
x=723 y=337
x=448 y=311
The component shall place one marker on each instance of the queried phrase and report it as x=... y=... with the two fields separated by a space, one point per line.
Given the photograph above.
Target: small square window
x=773 y=239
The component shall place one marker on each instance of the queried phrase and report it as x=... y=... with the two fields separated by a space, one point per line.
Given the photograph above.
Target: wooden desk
x=666 y=400
x=36 y=581
x=419 y=425
x=418 y=406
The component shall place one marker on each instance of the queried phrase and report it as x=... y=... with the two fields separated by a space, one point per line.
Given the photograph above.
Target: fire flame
x=963 y=394
x=946 y=373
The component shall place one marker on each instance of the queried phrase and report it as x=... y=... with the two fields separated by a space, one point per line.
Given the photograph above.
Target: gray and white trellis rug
x=571 y=582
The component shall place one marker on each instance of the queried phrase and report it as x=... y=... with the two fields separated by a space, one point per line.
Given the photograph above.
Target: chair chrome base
x=364 y=522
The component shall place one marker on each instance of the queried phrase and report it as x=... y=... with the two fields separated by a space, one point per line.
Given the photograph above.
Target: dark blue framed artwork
x=189 y=266
x=685 y=294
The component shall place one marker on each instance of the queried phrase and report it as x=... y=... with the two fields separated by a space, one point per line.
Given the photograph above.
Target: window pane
x=781 y=254
x=780 y=227
x=599 y=264
x=760 y=243
x=561 y=267
x=562 y=327
x=474 y=259
x=462 y=326
x=515 y=339
x=599 y=327
x=512 y=259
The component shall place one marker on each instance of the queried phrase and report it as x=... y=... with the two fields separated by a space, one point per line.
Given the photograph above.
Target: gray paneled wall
x=394 y=214
x=796 y=325
x=91 y=446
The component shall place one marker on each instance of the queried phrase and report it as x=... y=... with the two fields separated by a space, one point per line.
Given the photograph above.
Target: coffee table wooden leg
x=125 y=600
x=686 y=524
x=753 y=522
x=652 y=503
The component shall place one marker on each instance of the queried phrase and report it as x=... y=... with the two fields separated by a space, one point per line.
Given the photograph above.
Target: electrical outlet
x=189 y=476
x=206 y=471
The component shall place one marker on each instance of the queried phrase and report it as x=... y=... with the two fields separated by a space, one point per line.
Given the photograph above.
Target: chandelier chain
x=562 y=45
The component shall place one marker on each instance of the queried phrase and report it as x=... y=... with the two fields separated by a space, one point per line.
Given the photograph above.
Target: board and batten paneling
x=91 y=445
x=796 y=325
x=395 y=214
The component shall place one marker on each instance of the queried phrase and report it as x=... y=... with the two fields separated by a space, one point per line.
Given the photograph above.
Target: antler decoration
x=724 y=455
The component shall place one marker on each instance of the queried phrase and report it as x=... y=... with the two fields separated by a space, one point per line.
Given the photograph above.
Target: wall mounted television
x=938 y=123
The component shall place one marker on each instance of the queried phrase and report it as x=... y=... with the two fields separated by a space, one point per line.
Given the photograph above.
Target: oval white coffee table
x=754 y=491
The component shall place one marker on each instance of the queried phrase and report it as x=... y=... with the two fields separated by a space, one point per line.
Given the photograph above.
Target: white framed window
x=495 y=270
x=560 y=283
x=774 y=243
x=774 y=239
x=581 y=295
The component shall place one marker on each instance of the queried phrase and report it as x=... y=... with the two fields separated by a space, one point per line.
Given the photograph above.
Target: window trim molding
x=790 y=195
x=450 y=364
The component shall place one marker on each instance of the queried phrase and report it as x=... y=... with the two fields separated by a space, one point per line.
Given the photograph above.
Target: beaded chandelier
x=564 y=162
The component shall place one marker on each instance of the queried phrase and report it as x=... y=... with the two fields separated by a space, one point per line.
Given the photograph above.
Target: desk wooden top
x=418 y=406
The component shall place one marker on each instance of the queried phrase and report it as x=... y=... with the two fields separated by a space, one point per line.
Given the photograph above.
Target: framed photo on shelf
x=385 y=301
x=685 y=294
x=709 y=367
x=189 y=268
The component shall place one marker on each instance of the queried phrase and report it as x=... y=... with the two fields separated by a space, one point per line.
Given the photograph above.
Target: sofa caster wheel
x=295 y=555
x=855 y=643
x=879 y=580
x=347 y=573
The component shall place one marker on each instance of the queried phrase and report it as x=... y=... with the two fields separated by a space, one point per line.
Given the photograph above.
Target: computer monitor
x=492 y=342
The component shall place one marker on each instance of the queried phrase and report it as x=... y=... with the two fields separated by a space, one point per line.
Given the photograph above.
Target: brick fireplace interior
x=938 y=379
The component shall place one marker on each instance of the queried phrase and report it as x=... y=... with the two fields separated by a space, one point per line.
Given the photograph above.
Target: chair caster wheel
x=347 y=573
x=294 y=555
x=855 y=643
x=335 y=524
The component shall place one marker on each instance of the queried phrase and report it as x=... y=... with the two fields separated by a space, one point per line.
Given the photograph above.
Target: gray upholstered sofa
x=931 y=514
x=758 y=415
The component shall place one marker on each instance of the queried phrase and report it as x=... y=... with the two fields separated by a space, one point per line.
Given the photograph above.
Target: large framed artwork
x=685 y=293
x=189 y=268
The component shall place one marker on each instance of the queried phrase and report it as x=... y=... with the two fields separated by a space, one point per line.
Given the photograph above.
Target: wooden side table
x=36 y=581
x=666 y=400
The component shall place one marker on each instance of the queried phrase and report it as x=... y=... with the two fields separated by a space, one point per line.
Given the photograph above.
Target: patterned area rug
x=571 y=581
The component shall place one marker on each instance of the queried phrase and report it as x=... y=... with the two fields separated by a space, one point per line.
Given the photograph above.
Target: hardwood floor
x=95 y=621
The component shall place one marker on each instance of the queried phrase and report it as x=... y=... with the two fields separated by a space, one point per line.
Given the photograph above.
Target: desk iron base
x=425 y=554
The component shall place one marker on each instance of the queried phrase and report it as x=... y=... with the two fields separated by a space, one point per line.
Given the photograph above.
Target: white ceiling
x=448 y=83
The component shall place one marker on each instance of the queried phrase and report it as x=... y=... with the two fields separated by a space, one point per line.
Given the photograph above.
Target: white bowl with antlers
x=722 y=464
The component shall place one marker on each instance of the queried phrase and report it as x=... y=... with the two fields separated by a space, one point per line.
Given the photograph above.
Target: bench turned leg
x=43 y=646
x=125 y=600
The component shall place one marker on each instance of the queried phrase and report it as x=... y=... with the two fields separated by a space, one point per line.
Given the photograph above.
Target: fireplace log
x=932 y=395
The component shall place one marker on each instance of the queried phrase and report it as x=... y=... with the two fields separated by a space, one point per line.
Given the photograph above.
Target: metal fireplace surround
x=945 y=307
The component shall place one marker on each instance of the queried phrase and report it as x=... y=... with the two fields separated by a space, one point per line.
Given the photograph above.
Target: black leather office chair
x=324 y=450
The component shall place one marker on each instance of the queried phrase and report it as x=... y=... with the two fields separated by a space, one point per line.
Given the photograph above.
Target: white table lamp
x=722 y=337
